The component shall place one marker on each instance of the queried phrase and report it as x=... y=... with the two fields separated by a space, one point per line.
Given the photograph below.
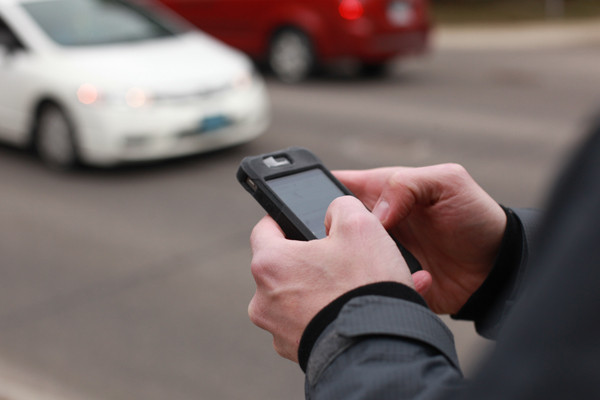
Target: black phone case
x=253 y=168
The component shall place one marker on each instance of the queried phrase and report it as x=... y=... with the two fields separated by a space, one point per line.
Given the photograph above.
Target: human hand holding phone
x=295 y=188
x=296 y=279
x=443 y=217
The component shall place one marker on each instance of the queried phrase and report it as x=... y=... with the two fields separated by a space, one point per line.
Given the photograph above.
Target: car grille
x=182 y=97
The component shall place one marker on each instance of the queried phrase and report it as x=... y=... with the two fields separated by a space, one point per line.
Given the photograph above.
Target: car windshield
x=96 y=22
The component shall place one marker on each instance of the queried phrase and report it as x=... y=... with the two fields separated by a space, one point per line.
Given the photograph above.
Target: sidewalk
x=519 y=36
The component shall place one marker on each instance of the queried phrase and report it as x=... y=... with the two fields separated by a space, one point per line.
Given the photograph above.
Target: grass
x=502 y=11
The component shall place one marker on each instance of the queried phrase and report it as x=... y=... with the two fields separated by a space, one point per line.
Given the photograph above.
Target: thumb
x=403 y=190
x=395 y=202
x=340 y=210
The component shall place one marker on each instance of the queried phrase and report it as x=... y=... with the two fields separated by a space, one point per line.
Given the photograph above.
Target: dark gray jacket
x=545 y=312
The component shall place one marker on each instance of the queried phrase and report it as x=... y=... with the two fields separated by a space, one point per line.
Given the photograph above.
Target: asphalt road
x=133 y=283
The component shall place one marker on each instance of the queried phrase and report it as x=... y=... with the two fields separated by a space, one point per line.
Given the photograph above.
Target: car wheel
x=291 y=56
x=55 y=138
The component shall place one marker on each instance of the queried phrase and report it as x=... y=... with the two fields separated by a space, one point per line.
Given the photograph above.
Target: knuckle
x=252 y=310
x=454 y=169
x=262 y=264
x=343 y=201
x=457 y=174
x=396 y=179
x=400 y=181
x=356 y=220
x=255 y=313
x=254 y=236
x=256 y=265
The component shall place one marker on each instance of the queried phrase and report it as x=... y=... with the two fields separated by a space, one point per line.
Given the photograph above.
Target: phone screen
x=307 y=194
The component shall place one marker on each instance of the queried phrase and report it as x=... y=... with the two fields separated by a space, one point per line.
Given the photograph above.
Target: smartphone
x=295 y=189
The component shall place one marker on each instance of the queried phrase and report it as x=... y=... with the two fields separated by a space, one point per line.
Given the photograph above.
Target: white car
x=106 y=81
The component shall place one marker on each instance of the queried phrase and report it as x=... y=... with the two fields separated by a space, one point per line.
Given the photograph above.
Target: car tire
x=54 y=138
x=291 y=56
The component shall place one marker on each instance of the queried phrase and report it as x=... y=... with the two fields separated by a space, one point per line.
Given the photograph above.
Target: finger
x=265 y=232
x=423 y=281
x=366 y=185
x=407 y=187
x=394 y=203
x=344 y=211
x=353 y=180
x=424 y=186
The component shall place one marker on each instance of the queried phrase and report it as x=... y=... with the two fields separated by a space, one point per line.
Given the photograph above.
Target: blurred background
x=132 y=281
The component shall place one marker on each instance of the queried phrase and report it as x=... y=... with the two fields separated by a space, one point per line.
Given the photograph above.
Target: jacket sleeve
x=492 y=302
x=382 y=342
x=382 y=348
x=548 y=348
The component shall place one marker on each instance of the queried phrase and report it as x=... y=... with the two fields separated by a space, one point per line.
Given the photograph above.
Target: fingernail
x=381 y=210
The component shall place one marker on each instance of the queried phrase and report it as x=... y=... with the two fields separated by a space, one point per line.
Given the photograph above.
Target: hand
x=295 y=279
x=449 y=223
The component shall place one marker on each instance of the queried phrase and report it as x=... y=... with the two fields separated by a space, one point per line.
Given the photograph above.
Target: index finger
x=366 y=184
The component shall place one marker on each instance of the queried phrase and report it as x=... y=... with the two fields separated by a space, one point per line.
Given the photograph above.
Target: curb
x=521 y=36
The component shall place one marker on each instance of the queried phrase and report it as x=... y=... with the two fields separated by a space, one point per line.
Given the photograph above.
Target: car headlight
x=134 y=97
x=87 y=94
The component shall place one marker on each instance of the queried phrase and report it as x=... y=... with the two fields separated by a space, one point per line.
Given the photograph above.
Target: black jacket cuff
x=484 y=307
x=328 y=314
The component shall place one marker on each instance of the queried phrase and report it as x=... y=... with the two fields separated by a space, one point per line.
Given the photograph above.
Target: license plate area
x=400 y=12
x=213 y=123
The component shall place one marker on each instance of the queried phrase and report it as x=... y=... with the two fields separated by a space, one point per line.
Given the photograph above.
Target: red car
x=293 y=36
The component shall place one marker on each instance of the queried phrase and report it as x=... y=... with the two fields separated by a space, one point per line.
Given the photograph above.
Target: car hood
x=185 y=62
